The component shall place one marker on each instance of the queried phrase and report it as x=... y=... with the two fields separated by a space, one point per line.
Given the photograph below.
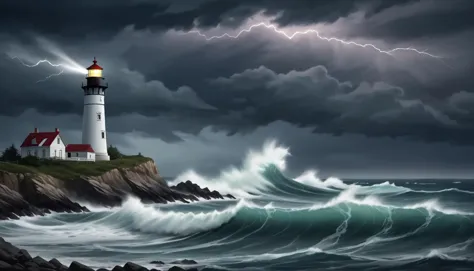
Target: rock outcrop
x=15 y=259
x=190 y=188
x=36 y=193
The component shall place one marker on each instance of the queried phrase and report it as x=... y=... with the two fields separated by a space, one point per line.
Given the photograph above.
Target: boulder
x=42 y=263
x=118 y=268
x=19 y=266
x=5 y=265
x=57 y=264
x=7 y=257
x=134 y=267
x=31 y=265
x=75 y=266
x=23 y=256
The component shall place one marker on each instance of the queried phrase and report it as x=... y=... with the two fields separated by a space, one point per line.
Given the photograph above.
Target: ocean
x=278 y=222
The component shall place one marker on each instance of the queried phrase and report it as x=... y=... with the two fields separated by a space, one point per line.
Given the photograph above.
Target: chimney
x=36 y=130
x=56 y=130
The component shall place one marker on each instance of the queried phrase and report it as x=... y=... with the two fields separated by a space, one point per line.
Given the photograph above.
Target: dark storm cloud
x=78 y=19
x=101 y=19
x=246 y=100
x=75 y=19
x=212 y=13
x=312 y=98
x=419 y=19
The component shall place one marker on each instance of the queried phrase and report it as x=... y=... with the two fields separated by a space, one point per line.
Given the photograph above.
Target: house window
x=103 y=134
x=29 y=152
x=55 y=153
x=44 y=153
x=77 y=154
x=99 y=116
x=59 y=140
x=69 y=154
x=36 y=153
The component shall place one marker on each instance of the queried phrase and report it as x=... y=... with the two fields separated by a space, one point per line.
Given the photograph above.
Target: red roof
x=44 y=139
x=95 y=66
x=79 y=148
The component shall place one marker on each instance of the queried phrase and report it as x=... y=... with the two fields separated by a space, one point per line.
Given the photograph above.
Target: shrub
x=30 y=161
x=10 y=154
x=114 y=153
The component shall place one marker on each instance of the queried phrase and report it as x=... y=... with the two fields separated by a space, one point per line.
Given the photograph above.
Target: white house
x=43 y=145
x=80 y=152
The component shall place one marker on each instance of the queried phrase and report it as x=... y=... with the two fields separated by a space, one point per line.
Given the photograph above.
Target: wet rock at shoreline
x=15 y=259
x=191 y=188
x=38 y=194
x=76 y=266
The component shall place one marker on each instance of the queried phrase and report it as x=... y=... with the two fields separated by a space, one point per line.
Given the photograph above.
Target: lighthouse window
x=99 y=116
x=103 y=134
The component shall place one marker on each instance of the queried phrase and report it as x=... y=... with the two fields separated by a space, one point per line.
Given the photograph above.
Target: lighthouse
x=93 y=119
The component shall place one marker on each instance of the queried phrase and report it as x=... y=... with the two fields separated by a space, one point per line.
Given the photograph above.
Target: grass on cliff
x=70 y=169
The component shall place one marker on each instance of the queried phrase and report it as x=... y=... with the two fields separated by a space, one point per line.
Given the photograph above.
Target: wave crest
x=146 y=218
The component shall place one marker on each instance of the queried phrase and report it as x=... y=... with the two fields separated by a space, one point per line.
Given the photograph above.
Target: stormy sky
x=324 y=78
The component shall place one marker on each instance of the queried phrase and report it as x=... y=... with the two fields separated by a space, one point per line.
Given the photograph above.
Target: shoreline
x=13 y=258
x=29 y=194
x=37 y=194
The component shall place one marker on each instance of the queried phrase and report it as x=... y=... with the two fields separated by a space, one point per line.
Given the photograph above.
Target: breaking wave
x=262 y=174
x=277 y=220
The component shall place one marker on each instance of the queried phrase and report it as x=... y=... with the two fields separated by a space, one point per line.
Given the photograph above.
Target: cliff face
x=111 y=188
x=27 y=194
x=36 y=193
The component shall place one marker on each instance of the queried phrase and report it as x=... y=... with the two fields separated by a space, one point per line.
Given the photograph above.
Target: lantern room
x=94 y=70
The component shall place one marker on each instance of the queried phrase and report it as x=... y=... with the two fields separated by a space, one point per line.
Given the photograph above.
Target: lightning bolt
x=317 y=34
x=38 y=63
x=73 y=68
x=51 y=75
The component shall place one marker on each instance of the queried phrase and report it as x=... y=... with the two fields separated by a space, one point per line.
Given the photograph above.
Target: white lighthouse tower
x=93 y=119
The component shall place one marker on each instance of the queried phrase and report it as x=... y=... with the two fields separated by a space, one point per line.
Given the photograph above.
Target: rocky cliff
x=38 y=193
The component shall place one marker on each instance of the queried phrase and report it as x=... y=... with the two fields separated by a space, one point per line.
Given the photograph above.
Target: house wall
x=40 y=152
x=58 y=149
x=81 y=156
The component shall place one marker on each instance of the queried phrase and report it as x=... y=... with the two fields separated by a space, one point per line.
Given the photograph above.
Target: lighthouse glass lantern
x=94 y=70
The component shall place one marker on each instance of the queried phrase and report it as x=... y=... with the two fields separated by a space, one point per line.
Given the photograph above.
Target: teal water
x=278 y=223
